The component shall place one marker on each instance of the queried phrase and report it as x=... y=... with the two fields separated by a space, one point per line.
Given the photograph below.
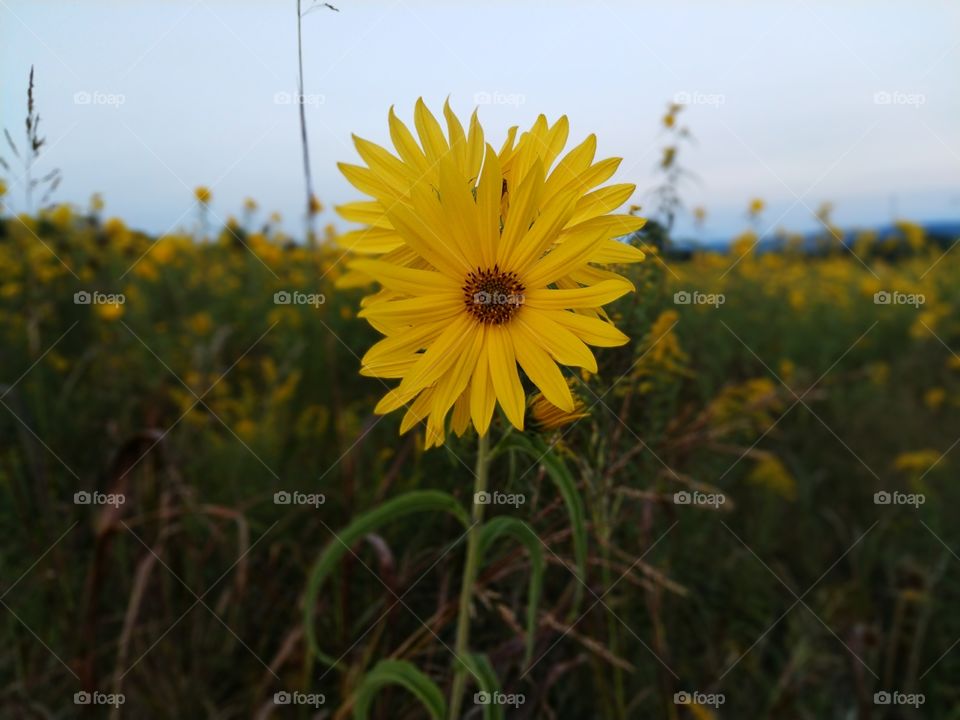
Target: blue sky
x=182 y=93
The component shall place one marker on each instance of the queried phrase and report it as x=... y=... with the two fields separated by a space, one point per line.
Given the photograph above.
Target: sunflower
x=388 y=179
x=548 y=416
x=478 y=284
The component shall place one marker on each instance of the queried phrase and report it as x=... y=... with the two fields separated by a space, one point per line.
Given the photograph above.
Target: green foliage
x=403 y=673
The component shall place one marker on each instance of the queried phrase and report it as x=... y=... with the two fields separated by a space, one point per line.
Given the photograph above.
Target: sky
x=795 y=102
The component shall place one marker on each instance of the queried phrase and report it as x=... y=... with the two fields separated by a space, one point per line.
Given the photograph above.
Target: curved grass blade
x=561 y=477
x=411 y=503
x=479 y=666
x=405 y=674
x=525 y=535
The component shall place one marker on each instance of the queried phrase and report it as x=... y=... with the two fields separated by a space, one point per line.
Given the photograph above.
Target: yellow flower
x=201 y=323
x=772 y=474
x=669 y=155
x=3 y=187
x=878 y=373
x=316 y=207
x=934 y=397
x=246 y=429
x=146 y=269
x=109 y=311
x=96 y=203
x=62 y=216
x=549 y=417
x=203 y=194
x=757 y=206
x=479 y=285
x=788 y=370
x=919 y=461
x=744 y=244
x=250 y=205
x=116 y=230
x=389 y=178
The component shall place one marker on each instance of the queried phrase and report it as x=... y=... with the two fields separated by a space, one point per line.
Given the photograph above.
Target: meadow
x=752 y=508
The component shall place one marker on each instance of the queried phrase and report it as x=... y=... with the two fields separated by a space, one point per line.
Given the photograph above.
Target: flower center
x=492 y=296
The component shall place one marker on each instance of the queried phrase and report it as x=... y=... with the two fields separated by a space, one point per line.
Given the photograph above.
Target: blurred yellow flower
x=934 y=397
x=879 y=373
x=62 y=216
x=246 y=429
x=769 y=472
x=203 y=194
x=669 y=155
x=109 y=311
x=201 y=323
x=919 y=461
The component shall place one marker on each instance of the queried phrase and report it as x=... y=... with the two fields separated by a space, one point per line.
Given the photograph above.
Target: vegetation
x=780 y=393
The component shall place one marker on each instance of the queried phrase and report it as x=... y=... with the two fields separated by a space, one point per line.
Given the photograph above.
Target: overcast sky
x=142 y=101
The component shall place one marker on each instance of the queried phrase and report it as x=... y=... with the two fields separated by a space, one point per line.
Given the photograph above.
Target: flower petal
x=588 y=297
x=541 y=368
x=431 y=135
x=590 y=330
x=406 y=280
x=564 y=346
x=483 y=396
x=503 y=372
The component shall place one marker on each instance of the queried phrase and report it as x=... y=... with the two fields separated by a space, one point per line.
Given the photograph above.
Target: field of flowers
x=748 y=515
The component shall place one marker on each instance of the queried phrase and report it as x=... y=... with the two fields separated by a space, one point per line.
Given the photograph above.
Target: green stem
x=469 y=577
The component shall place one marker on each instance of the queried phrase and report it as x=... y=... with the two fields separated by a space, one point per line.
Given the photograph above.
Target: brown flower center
x=492 y=296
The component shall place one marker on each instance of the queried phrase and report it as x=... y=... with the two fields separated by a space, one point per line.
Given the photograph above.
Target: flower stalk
x=469 y=574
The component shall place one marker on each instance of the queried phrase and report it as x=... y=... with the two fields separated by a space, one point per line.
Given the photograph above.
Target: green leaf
x=480 y=667
x=413 y=502
x=557 y=471
x=405 y=674
x=523 y=533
